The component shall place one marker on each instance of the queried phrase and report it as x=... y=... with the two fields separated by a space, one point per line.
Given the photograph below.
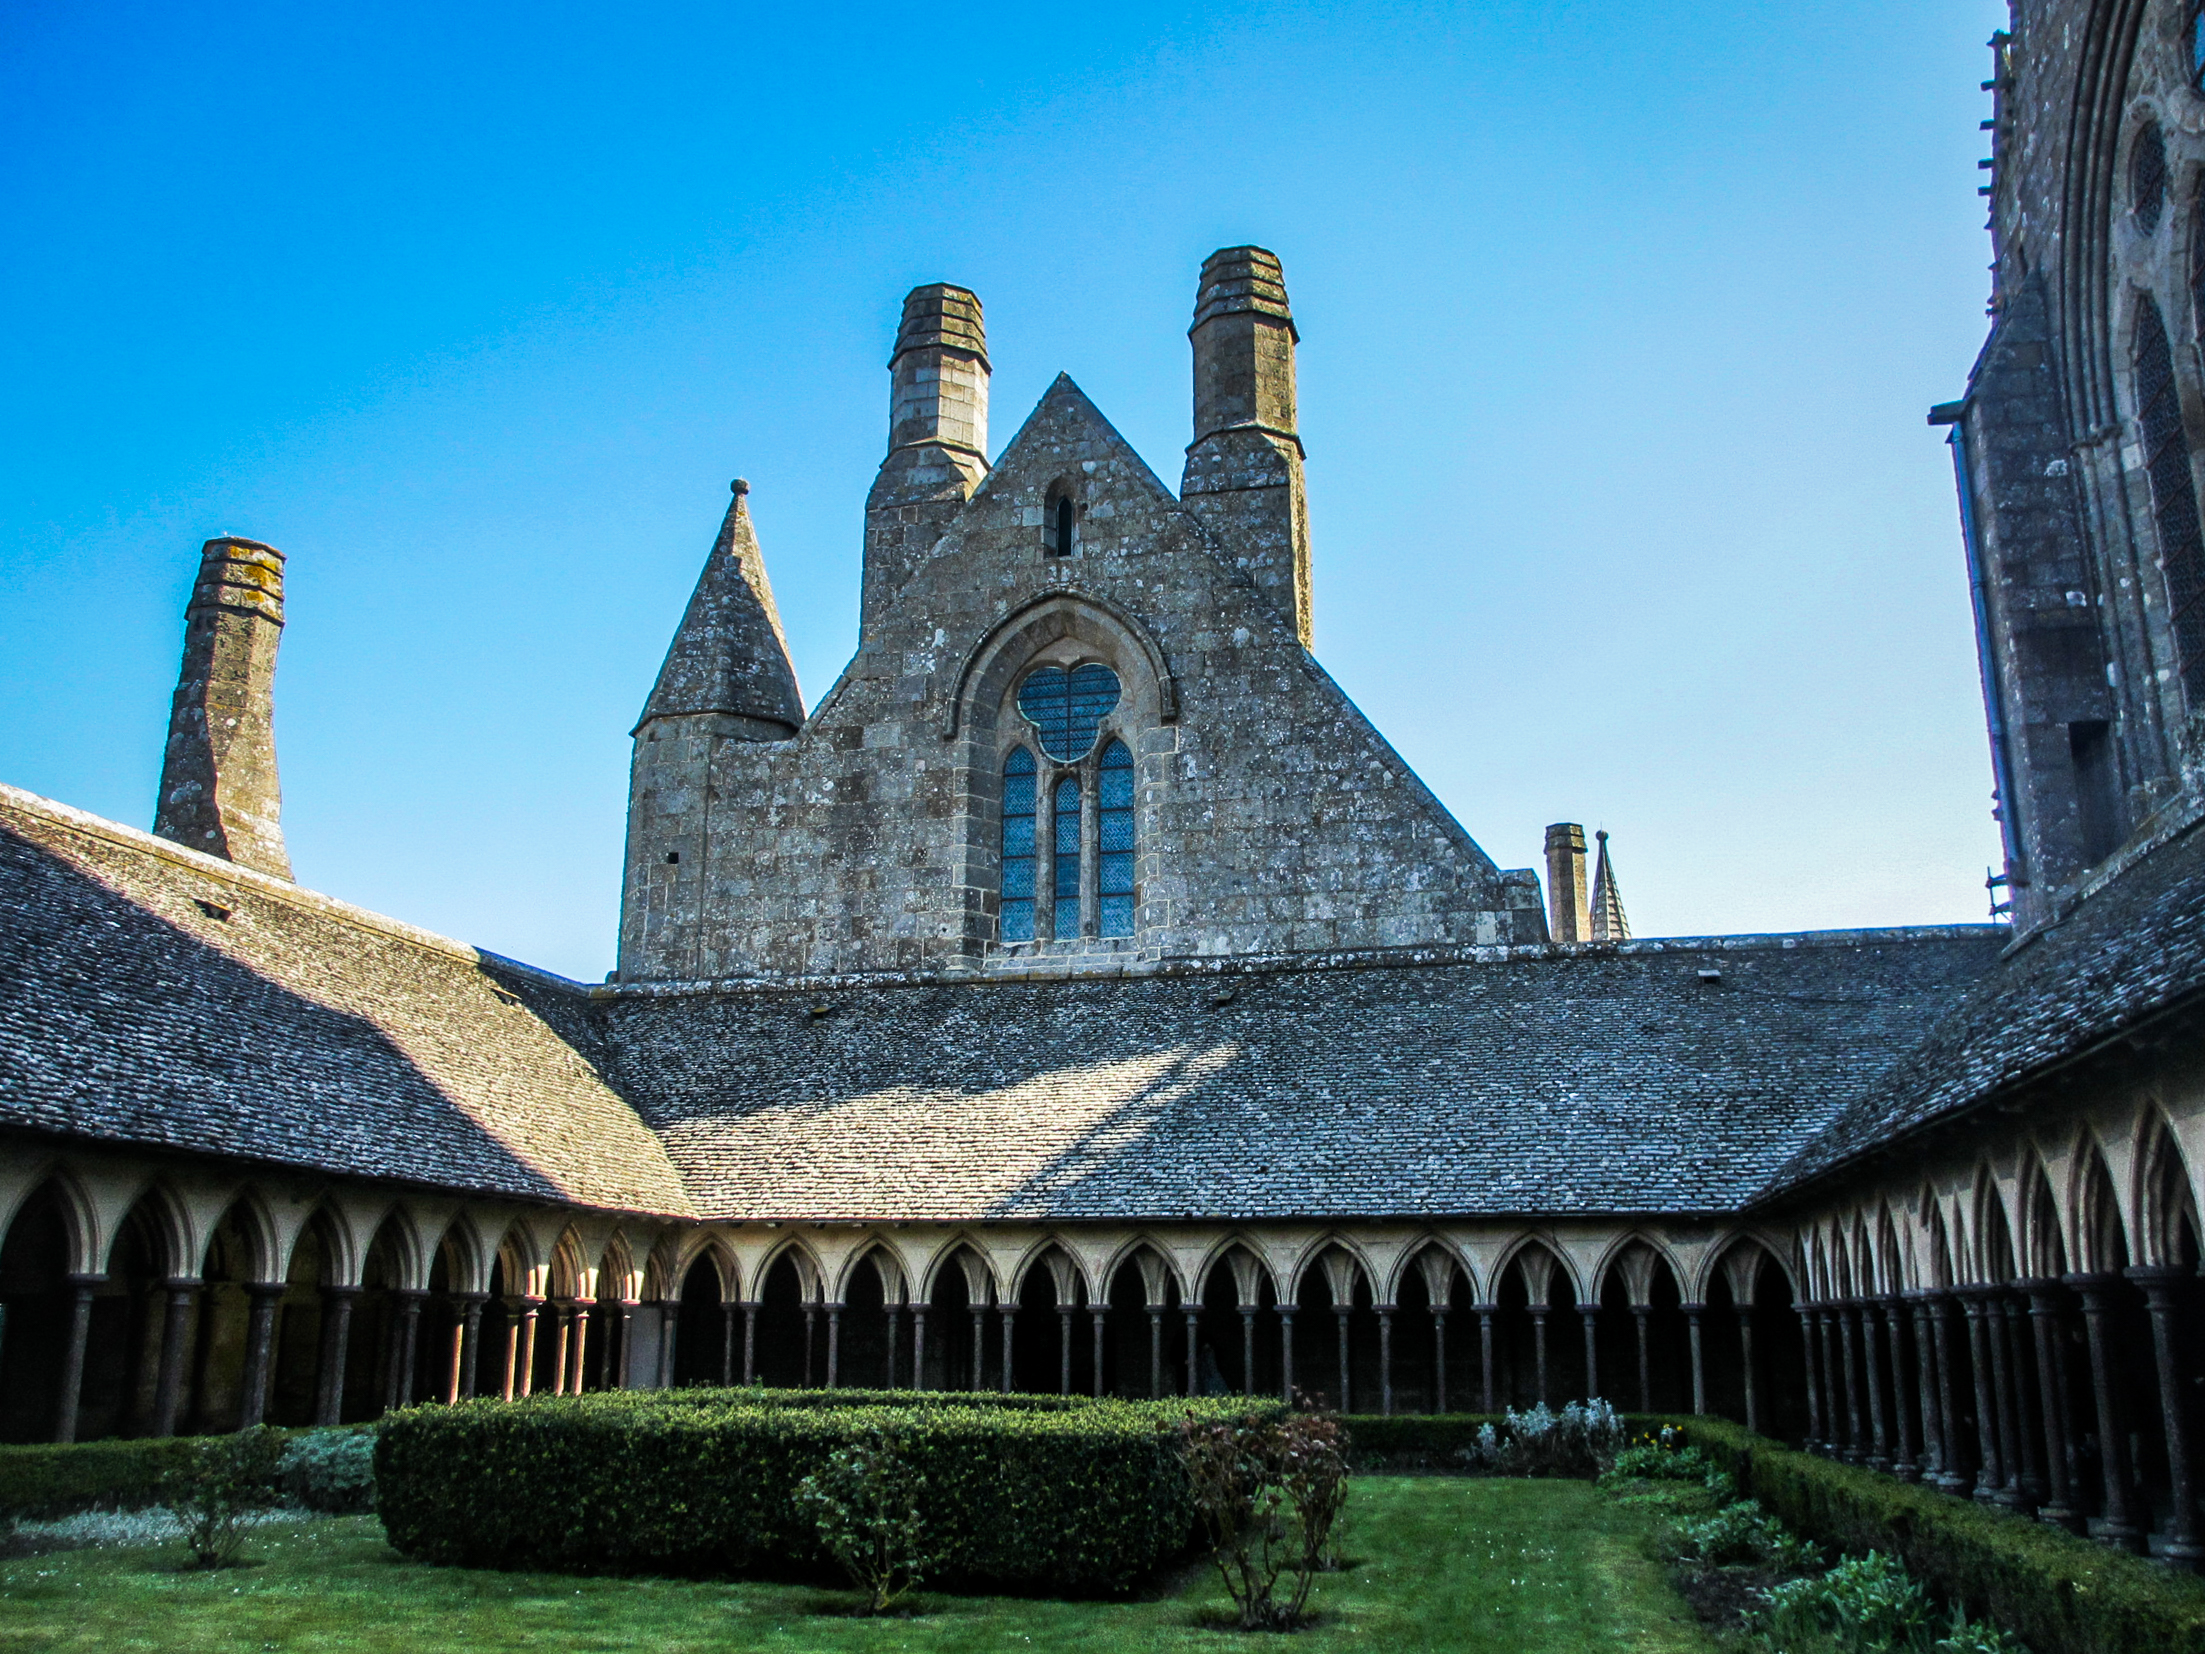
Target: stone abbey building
x=1083 y=996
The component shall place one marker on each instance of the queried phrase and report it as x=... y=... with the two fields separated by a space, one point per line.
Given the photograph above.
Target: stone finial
x=1569 y=917
x=218 y=776
x=1244 y=468
x=1608 y=921
x=729 y=656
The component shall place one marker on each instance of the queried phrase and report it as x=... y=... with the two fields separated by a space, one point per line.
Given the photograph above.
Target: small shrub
x=330 y=1470
x=1743 y=1532
x=1581 y=1440
x=1871 y=1605
x=225 y=1482
x=1269 y=1492
x=865 y=1502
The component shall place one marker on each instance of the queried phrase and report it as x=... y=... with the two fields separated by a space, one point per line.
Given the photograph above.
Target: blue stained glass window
x=1068 y=860
x=1018 y=847
x=1114 y=831
x=1066 y=708
x=2197 y=48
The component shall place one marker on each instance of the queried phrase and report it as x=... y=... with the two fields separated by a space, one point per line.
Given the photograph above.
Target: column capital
x=1647 y=1309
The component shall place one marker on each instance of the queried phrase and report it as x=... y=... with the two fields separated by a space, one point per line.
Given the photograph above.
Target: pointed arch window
x=1114 y=842
x=1067 y=847
x=1063 y=526
x=1018 y=847
x=2173 y=497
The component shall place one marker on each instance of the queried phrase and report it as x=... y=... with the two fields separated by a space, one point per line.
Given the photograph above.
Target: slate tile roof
x=152 y=995
x=1548 y=1081
x=2129 y=949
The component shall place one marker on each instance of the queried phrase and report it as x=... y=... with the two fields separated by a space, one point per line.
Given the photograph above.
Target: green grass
x=1521 y=1567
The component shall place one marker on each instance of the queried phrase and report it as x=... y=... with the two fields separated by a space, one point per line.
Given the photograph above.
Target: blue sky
x=1618 y=330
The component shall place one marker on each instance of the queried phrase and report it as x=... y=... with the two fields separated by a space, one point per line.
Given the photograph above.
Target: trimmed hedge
x=1025 y=1492
x=2057 y=1593
x=52 y=1480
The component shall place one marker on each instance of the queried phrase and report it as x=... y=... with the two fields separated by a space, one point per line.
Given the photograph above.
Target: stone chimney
x=1569 y=917
x=218 y=777
x=937 y=435
x=1244 y=467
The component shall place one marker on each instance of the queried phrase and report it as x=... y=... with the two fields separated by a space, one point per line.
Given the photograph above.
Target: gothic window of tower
x=1060 y=520
x=2173 y=487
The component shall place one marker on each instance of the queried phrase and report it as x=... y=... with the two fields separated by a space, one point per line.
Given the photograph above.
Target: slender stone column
x=1064 y=1349
x=1539 y=1350
x=1286 y=1353
x=1342 y=1316
x=2024 y=1467
x=168 y=1390
x=895 y=1341
x=669 y=1344
x=1752 y=1373
x=1485 y=1357
x=624 y=1319
x=531 y=1313
x=1639 y=1314
x=1156 y=1351
x=1953 y=1478
x=1009 y=1312
x=979 y=1343
x=1692 y=1313
x=470 y=1343
x=2119 y=1528
x=1925 y=1387
x=1907 y=1465
x=512 y=1346
x=1101 y=1313
x=730 y=1313
x=1194 y=1365
x=72 y=1359
x=1385 y=1360
x=1247 y=1349
x=2162 y=1286
x=2059 y=1509
x=918 y=1348
x=1856 y=1435
x=834 y=1347
x=260 y=1341
x=1833 y=1394
x=1818 y=1439
x=1590 y=1315
x=750 y=1340
x=1990 y=1485
x=406 y=1328
x=1439 y=1353
x=1879 y=1434
x=336 y=1347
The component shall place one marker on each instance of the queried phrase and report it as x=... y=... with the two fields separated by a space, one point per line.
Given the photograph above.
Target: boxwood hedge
x=2057 y=1593
x=1021 y=1492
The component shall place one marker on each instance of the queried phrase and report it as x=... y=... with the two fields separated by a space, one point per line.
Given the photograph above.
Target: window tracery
x=1068 y=859
x=1018 y=847
x=1076 y=878
x=1114 y=842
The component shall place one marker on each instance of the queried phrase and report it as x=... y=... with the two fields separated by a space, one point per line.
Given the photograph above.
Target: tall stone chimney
x=937 y=435
x=1244 y=467
x=1569 y=916
x=218 y=777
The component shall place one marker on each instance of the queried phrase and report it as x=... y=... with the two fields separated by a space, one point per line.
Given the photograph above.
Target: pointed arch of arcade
x=1646 y=1346
x=1539 y=1331
x=49 y=1268
x=713 y=1327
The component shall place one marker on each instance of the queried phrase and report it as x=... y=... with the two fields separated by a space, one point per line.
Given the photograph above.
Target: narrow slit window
x=1114 y=839
x=1068 y=860
x=1018 y=847
x=2173 y=498
x=1063 y=527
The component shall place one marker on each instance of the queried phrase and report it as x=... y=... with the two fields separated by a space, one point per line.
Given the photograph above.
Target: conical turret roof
x=729 y=655
x=1608 y=921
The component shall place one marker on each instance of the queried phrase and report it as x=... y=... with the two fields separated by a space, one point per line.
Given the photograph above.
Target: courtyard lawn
x=1441 y=1563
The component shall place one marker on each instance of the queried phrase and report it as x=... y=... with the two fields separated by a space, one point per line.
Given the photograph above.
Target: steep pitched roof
x=2130 y=950
x=1548 y=1080
x=151 y=995
x=729 y=654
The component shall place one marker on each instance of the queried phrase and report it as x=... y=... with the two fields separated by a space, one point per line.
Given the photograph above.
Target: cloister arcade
x=2018 y=1322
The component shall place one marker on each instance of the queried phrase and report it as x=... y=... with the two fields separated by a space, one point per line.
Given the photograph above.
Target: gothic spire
x=729 y=656
x=1608 y=921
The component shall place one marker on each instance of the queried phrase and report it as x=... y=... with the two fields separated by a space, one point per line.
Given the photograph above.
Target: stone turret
x=1609 y=923
x=1244 y=467
x=218 y=777
x=937 y=436
x=727 y=684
